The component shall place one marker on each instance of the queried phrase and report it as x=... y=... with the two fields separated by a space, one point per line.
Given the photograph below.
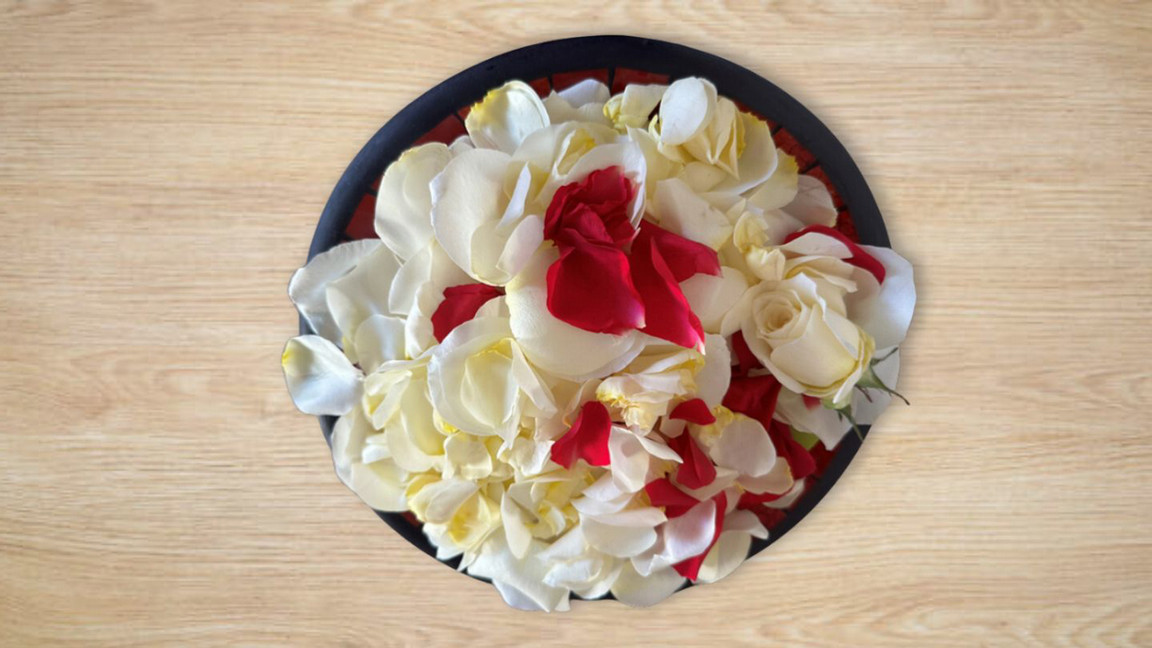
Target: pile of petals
x=599 y=340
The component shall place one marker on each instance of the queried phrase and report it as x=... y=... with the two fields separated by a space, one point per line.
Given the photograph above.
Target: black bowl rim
x=589 y=53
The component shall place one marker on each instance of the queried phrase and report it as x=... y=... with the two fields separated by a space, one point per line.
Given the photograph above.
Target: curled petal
x=362 y=292
x=320 y=378
x=633 y=589
x=506 y=116
x=813 y=203
x=694 y=411
x=404 y=202
x=666 y=311
x=308 y=284
x=697 y=470
x=587 y=439
x=460 y=305
x=860 y=257
x=744 y=446
x=885 y=310
x=664 y=494
x=685 y=110
x=690 y=568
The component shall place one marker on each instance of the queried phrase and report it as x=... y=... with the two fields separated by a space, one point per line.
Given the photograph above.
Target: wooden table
x=162 y=165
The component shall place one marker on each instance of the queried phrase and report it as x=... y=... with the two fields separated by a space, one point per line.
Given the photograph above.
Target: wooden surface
x=163 y=164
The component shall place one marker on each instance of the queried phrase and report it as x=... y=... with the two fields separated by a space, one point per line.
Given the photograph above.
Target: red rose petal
x=690 y=568
x=587 y=439
x=799 y=460
x=754 y=397
x=684 y=257
x=664 y=493
x=749 y=500
x=694 y=411
x=745 y=359
x=859 y=258
x=811 y=402
x=590 y=287
x=667 y=314
x=696 y=469
x=606 y=192
x=460 y=305
x=767 y=515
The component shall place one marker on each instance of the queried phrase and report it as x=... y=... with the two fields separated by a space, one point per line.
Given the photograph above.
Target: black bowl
x=603 y=56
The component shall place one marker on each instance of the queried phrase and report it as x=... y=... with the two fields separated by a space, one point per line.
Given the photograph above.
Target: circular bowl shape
x=438 y=114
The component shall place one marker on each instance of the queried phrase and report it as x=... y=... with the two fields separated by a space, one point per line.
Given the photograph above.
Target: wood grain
x=162 y=165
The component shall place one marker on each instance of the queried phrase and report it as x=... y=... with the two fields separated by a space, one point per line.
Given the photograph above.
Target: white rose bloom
x=805 y=340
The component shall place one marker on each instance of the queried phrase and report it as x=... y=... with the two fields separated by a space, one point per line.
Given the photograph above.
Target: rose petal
x=690 y=568
x=635 y=590
x=460 y=305
x=404 y=202
x=885 y=311
x=590 y=287
x=362 y=292
x=694 y=411
x=308 y=284
x=380 y=338
x=554 y=346
x=319 y=376
x=712 y=297
x=744 y=446
x=506 y=116
x=697 y=470
x=666 y=311
x=685 y=110
x=664 y=494
x=587 y=439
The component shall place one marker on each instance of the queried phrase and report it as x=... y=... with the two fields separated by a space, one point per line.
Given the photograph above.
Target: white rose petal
x=363 y=292
x=712 y=297
x=404 y=202
x=308 y=284
x=744 y=446
x=506 y=116
x=642 y=591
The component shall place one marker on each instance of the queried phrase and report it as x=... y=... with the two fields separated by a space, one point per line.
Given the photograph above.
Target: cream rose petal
x=681 y=211
x=712 y=297
x=308 y=284
x=404 y=202
x=813 y=204
x=685 y=110
x=780 y=188
x=379 y=338
x=319 y=376
x=623 y=534
x=635 y=590
x=506 y=116
x=885 y=310
x=363 y=292
x=744 y=446
x=468 y=196
x=633 y=107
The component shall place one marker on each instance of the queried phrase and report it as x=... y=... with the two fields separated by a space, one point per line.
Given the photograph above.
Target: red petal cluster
x=587 y=439
x=859 y=258
x=611 y=278
x=460 y=305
